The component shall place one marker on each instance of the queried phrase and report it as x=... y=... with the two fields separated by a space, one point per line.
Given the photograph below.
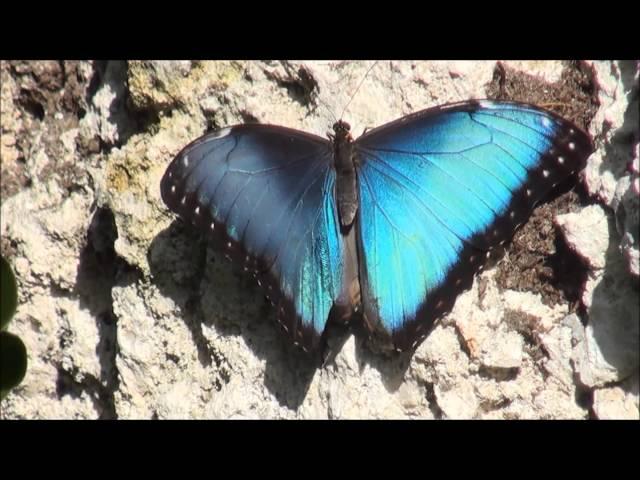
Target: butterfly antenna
x=357 y=89
x=325 y=105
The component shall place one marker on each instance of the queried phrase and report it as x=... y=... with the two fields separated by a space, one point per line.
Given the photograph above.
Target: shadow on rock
x=614 y=315
x=99 y=270
x=211 y=292
x=392 y=366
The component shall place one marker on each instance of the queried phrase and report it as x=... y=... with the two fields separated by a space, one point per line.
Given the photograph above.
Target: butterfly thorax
x=346 y=182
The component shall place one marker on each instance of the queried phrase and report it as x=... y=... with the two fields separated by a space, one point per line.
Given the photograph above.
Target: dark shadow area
x=31 y=103
x=248 y=117
x=114 y=75
x=570 y=273
x=334 y=337
x=628 y=71
x=432 y=401
x=68 y=384
x=128 y=120
x=99 y=269
x=617 y=155
x=210 y=291
x=392 y=366
x=300 y=84
x=99 y=69
x=498 y=374
x=584 y=399
x=614 y=314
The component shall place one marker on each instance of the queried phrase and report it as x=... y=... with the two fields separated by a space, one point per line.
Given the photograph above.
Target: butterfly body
x=346 y=181
x=393 y=225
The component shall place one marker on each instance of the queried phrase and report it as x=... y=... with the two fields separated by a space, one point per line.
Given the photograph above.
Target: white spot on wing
x=560 y=160
x=173 y=189
x=545 y=173
x=572 y=146
x=185 y=160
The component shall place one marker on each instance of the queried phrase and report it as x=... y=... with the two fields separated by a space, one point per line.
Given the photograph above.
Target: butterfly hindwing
x=266 y=196
x=438 y=189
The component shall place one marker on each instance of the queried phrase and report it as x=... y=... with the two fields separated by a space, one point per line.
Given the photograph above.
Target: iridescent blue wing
x=438 y=189
x=266 y=196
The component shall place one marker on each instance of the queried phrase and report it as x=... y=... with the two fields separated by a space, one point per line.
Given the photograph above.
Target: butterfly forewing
x=440 y=188
x=266 y=196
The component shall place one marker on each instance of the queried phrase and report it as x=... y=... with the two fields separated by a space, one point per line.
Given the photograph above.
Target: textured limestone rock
x=587 y=233
x=610 y=348
x=619 y=402
x=612 y=172
x=127 y=313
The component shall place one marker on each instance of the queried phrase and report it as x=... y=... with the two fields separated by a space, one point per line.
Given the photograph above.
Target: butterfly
x=390 y=227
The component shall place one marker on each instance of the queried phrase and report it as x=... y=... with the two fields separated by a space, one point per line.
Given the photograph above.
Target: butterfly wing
x=438 y=189
x=266 y=195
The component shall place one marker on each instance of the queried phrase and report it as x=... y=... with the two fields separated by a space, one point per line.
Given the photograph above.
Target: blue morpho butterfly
x=393 y=225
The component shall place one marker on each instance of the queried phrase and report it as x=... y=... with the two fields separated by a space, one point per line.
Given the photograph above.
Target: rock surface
x=127 y=313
